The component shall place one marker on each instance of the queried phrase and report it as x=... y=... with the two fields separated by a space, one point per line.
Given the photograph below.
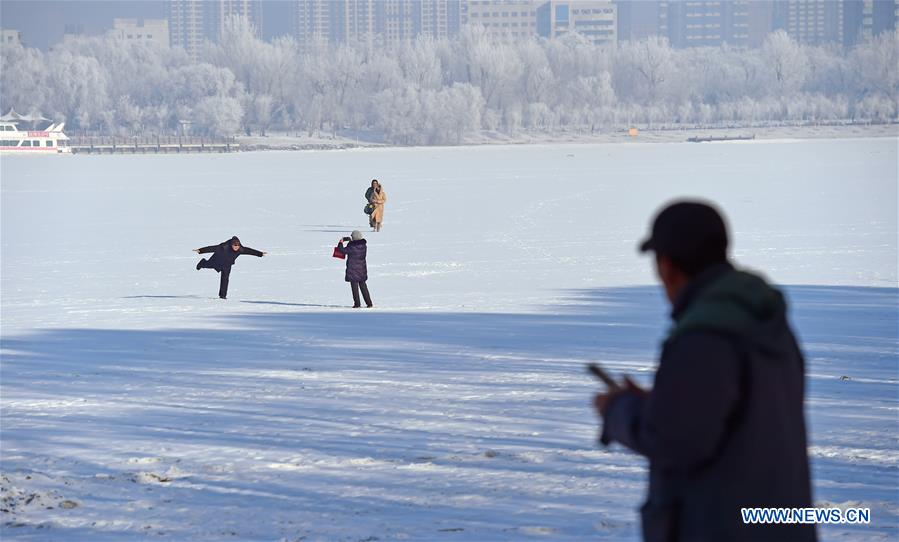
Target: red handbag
x=338 y=253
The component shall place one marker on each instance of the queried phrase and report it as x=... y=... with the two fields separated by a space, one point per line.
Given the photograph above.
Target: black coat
x=223 y=257
x=723 y=427
x=356 y=268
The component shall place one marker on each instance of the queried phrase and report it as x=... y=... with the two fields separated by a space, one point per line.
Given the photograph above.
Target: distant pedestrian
x=356 y=267
x=370 y=206
x=376 y=197
x=223 y=257
x=723 y=426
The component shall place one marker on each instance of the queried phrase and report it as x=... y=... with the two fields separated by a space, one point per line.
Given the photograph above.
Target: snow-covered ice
x=135 y=404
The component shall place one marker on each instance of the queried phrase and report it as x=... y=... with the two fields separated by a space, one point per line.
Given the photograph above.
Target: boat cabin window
x=36 y=143
x=49 y=143
x=26 y=143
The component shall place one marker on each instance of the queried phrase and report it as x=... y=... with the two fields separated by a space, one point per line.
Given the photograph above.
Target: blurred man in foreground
x=723 y=427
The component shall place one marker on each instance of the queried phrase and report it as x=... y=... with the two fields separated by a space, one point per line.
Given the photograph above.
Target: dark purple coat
x=356 y=269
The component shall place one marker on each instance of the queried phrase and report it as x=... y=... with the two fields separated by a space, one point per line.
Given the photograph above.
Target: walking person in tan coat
x=378 y=199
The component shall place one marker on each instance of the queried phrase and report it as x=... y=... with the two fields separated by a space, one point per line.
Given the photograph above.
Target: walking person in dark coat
x=369 y=194
x=356 y=268
x=723 y=426
x=223 y=257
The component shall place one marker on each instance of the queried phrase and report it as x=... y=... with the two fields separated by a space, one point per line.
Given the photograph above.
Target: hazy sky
x=43 y=22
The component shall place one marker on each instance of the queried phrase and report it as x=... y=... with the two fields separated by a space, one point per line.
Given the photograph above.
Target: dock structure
x=708 y=139
x=152 y=144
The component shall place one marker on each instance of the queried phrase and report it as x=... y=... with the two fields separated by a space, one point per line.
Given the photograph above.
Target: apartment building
x=152 y=31
x=594 y=19
x=813 y=22
x=191 y=22
x=865 y=19
x=8 y=36
x=374 y=21
x=504 y=20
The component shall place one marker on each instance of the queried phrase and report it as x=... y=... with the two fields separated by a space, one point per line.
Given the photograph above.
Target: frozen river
x=457 y=408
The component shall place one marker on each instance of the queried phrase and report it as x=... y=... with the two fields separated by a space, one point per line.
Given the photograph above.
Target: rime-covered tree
x=440 y=91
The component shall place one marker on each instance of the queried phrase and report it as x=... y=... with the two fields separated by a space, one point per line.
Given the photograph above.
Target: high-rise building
x=640 y=20
x=865 y=19
x=191 y=22
x=504 y=20
x=708 y=23
x=595 y=19
x=441 y=19
x=696 y=23
x=311 y=21
x=249 y=10
x=761 y=21
x=885 y=15
x=396 y=20
x=374 y=21
x=152 y=31
x=810 y=21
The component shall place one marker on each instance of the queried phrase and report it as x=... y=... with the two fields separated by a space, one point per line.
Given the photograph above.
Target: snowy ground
x=135 y=404
x=660 y=134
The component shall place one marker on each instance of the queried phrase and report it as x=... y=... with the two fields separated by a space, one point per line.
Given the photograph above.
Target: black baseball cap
x=688 y=230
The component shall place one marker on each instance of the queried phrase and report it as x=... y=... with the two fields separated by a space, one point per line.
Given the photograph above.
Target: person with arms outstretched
x=223 y=257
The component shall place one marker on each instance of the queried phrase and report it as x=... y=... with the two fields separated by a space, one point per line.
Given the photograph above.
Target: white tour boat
x=50 y=140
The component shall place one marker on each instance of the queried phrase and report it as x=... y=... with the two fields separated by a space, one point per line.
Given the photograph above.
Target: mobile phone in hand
x=599 y=373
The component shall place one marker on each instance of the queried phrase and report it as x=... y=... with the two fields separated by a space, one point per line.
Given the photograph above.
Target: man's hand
x=197 y=250
x=602 y=400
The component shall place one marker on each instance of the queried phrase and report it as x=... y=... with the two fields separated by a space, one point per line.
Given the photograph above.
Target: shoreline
x=286 y=142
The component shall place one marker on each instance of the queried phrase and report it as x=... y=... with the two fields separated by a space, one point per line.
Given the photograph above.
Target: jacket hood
x=737 y=303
